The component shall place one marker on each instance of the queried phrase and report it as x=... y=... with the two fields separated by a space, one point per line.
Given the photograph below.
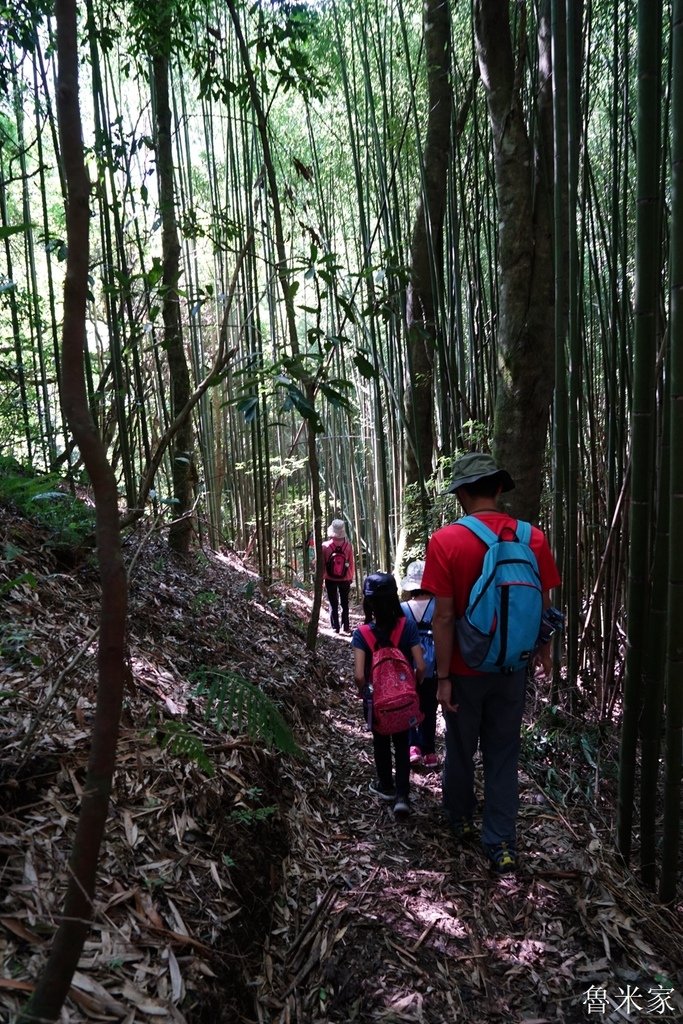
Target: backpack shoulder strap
x=479 y=529
x=523 y=532
x=397 y=631
x=407 y=610
x=428 y=612
x=368 y=636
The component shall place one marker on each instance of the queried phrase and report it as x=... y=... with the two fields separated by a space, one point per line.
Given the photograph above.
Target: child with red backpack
x=385 y=650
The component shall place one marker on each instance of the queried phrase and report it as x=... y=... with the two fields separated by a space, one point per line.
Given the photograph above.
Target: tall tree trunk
x=574 y=367
x=646 y=315
x=561 y=260
x=180 y=534
x=53 y=985
x=311 y=443
x=427 y=257
x=671 y=837
x=16 y=329
x=525 y=328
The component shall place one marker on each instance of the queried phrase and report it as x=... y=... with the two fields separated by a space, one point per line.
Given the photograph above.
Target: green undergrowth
x=42 y=498
x=571 y=760
x=231 y=703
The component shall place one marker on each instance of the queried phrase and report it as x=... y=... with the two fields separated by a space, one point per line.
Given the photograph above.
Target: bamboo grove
x=251 y=362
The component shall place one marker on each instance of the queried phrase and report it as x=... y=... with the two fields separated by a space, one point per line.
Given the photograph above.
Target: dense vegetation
x=311 y=251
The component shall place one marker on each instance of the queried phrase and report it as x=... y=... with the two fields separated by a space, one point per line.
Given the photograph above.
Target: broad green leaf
x=14 y=229
x=365 y=367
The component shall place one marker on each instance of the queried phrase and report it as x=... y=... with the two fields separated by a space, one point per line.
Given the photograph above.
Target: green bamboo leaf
x=348 y=308
x=14 y=229
x=335 y=397
x=26 y=577
x=365 y=367
x=298 y=400
x=248 y=407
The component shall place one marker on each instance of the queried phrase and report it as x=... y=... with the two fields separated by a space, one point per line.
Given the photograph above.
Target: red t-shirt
x=453 y=564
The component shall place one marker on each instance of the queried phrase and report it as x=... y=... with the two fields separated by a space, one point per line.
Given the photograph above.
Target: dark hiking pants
x=489 y=715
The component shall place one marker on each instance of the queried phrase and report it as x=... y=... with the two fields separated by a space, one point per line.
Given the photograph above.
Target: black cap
x=379 y=583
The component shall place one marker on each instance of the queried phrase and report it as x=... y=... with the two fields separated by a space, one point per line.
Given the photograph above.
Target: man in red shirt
x=480 y=709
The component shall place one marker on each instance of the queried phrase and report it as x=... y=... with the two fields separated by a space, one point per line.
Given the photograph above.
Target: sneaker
x=387 y=793
x=415 y=755
x=465 y=832
x=402 y=807
x=502 y=858
x=430 y=761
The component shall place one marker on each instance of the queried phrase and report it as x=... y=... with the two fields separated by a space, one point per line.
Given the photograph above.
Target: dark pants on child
x=381 y=746
x=490 y=709
x=424 y=734
x=338 y=593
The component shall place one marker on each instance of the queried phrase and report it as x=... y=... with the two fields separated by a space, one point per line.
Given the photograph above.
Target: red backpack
x=337 y=562
x=395 y=703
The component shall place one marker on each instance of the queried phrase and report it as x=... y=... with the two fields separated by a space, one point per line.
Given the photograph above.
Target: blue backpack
x=426 y=636
x=500 y=627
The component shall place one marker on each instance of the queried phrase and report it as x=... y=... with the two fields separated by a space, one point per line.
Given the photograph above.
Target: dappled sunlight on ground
x=393 y=921
x=256 y=887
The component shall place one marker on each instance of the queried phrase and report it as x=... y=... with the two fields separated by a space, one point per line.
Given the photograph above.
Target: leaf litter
x=311 y=904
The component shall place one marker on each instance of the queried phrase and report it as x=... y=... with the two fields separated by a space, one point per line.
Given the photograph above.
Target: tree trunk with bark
x=526 y=304
x=53 y=985
x=180 y=534
x=426 y=255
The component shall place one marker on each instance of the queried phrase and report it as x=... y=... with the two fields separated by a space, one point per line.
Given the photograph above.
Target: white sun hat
x=336 y=529
x=413 y=577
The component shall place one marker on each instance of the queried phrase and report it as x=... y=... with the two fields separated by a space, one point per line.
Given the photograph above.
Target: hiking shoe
x=401 y=808
x=387 y=793
x=502 y=858
x=430 y=761
x=465 y=832
x=415 y=755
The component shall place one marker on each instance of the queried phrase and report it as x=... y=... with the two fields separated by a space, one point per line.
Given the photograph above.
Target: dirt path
x=385 y=921
x=371 y=920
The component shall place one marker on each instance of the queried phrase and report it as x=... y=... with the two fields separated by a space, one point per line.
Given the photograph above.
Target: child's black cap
x=379 y=583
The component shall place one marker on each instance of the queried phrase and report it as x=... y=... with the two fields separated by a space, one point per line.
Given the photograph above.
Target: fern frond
x=178 y=740
x=248 y=815
x=234 y=703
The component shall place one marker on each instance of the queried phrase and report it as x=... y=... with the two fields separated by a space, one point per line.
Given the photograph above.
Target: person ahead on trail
x=384 y=618
x=419 y=606
x=482 y=708
x=338 y=566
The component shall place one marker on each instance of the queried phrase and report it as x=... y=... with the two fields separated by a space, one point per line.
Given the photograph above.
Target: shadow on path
x=386 y=921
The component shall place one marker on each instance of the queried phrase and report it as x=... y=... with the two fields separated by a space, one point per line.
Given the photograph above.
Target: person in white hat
x=419 y=606
x=338 y=566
